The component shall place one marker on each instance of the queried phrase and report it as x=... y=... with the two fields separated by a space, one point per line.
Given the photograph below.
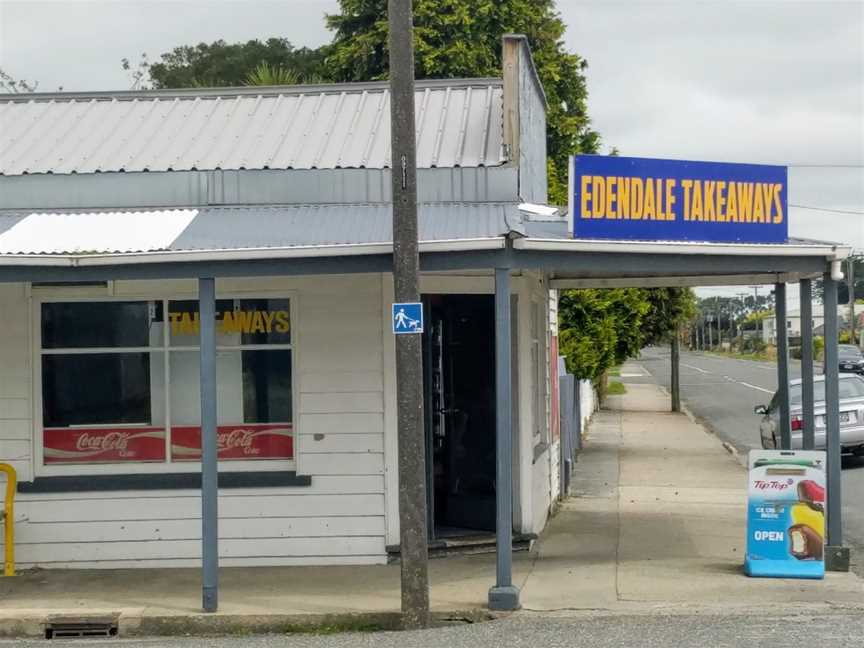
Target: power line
x=824 y=166
x=826 y=209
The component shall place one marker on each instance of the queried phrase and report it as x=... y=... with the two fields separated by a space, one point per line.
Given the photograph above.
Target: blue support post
x=832 y=417
x=809 y=419
x=504 y=595
x=209 y=456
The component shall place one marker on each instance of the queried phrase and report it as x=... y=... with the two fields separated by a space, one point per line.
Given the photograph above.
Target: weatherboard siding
x=339 y=416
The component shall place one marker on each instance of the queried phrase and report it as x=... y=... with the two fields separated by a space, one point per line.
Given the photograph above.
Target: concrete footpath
x=656 y=525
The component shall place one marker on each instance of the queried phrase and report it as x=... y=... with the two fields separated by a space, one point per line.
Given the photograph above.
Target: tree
x=461 y=38
x=219 y=64
x=669 y=309
x=600 y=328
x=10 y=84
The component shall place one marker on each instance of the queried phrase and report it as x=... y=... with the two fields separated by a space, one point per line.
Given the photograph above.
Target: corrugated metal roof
x=83 y=233
x=232 y=228
x=459 y=123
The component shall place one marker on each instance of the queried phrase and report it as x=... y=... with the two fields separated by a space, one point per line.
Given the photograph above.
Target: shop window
x=120 y=382
x=538 y=372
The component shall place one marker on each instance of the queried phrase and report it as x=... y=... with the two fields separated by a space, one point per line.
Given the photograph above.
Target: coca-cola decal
x=103 y=445
x=249 y=441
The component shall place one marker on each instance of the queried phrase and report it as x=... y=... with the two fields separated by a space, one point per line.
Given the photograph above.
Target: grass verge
x=615 y=388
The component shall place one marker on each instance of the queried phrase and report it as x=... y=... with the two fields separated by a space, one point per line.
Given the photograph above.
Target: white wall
x=339 y=415
x=15 y=381
x=345 y=403
x=541 y=469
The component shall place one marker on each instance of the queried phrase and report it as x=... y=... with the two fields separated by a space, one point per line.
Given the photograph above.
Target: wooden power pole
x=414 y=552
x=850 y=282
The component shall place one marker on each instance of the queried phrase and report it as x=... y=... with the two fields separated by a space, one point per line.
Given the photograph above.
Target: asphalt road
x=722 y=392
x=531 y=631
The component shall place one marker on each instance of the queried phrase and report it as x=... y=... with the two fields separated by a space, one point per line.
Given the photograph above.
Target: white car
x=851 y=391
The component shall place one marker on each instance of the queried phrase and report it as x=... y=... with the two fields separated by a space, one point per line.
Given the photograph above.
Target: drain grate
x=80 y=629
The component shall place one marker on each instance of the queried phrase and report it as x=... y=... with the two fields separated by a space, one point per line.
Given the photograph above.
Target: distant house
x=793 y=322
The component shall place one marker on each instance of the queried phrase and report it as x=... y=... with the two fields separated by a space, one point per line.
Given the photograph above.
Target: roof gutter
x=242 y=254
x=830 y=252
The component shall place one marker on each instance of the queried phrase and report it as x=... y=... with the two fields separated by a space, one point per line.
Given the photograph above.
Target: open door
x=459 y=364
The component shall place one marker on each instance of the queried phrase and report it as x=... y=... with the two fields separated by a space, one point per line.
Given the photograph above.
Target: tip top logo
x=772 y=485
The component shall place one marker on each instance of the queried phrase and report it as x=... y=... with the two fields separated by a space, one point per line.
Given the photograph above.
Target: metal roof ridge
x=256 y=206
x=240 y=91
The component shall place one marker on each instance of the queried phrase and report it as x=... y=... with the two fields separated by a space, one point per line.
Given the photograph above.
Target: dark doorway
x=459 y=365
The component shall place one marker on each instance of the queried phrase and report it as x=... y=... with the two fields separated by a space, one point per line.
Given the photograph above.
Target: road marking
x=699 y=369
x=762 y=389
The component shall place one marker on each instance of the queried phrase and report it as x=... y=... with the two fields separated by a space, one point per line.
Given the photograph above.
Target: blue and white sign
x=786 y=514
x=407 y=318
x=677 y=200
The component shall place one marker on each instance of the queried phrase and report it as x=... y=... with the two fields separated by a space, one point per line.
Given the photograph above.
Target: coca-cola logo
x=238 y=438
x=110 y=441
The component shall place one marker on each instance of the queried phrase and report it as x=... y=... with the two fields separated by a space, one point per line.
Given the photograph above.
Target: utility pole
x=414 y=552
x=710 y=332
x=676 y=370
x=850 y=282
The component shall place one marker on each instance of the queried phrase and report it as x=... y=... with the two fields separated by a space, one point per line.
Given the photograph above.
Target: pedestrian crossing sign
x=407 y=318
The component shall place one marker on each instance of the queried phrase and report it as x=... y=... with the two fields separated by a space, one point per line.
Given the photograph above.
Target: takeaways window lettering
x=257 y=321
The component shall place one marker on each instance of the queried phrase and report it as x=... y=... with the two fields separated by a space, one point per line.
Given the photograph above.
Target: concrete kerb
x=136 y=623
x=739 y=453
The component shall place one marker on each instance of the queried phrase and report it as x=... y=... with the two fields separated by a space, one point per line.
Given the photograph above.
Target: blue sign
x=786 y=514
x=407 y=318
x=676 y=200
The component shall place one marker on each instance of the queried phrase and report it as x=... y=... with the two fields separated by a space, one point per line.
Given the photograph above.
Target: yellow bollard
x=9 y=519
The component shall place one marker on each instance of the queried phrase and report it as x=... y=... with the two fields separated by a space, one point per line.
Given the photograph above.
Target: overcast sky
x=758 y=81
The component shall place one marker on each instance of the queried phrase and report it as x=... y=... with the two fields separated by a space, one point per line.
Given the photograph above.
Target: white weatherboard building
x=99 y=393
x=115 y=208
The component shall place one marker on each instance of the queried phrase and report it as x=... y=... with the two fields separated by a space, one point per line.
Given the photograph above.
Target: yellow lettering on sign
x=732 y=203
x=687 y=185
x=187 y=325
x=758 y=204
x=637 y=189
x=768 y=195
x=585 y=212
x=226 y=326
x=778 y=217
x=243 y=321
x=269 y=316
x=670 y=199
x=650 y=209
x=174 y=318
x=258 y=322
x=623 y=197
x=745 y=202
x=697 y=201
x=610 y=197
x=282 y=322
x=710 y=213
x=598 y=196
x=721 y=201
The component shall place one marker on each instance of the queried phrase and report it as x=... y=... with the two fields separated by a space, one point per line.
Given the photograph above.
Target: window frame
x=41 y=469
x=538 y=334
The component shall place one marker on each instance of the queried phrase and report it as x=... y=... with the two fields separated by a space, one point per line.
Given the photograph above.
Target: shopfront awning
x=80 y=239
x=348 y=238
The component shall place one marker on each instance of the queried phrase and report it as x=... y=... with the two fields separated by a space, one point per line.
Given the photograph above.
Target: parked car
x=850 y=359
x=851 y=392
